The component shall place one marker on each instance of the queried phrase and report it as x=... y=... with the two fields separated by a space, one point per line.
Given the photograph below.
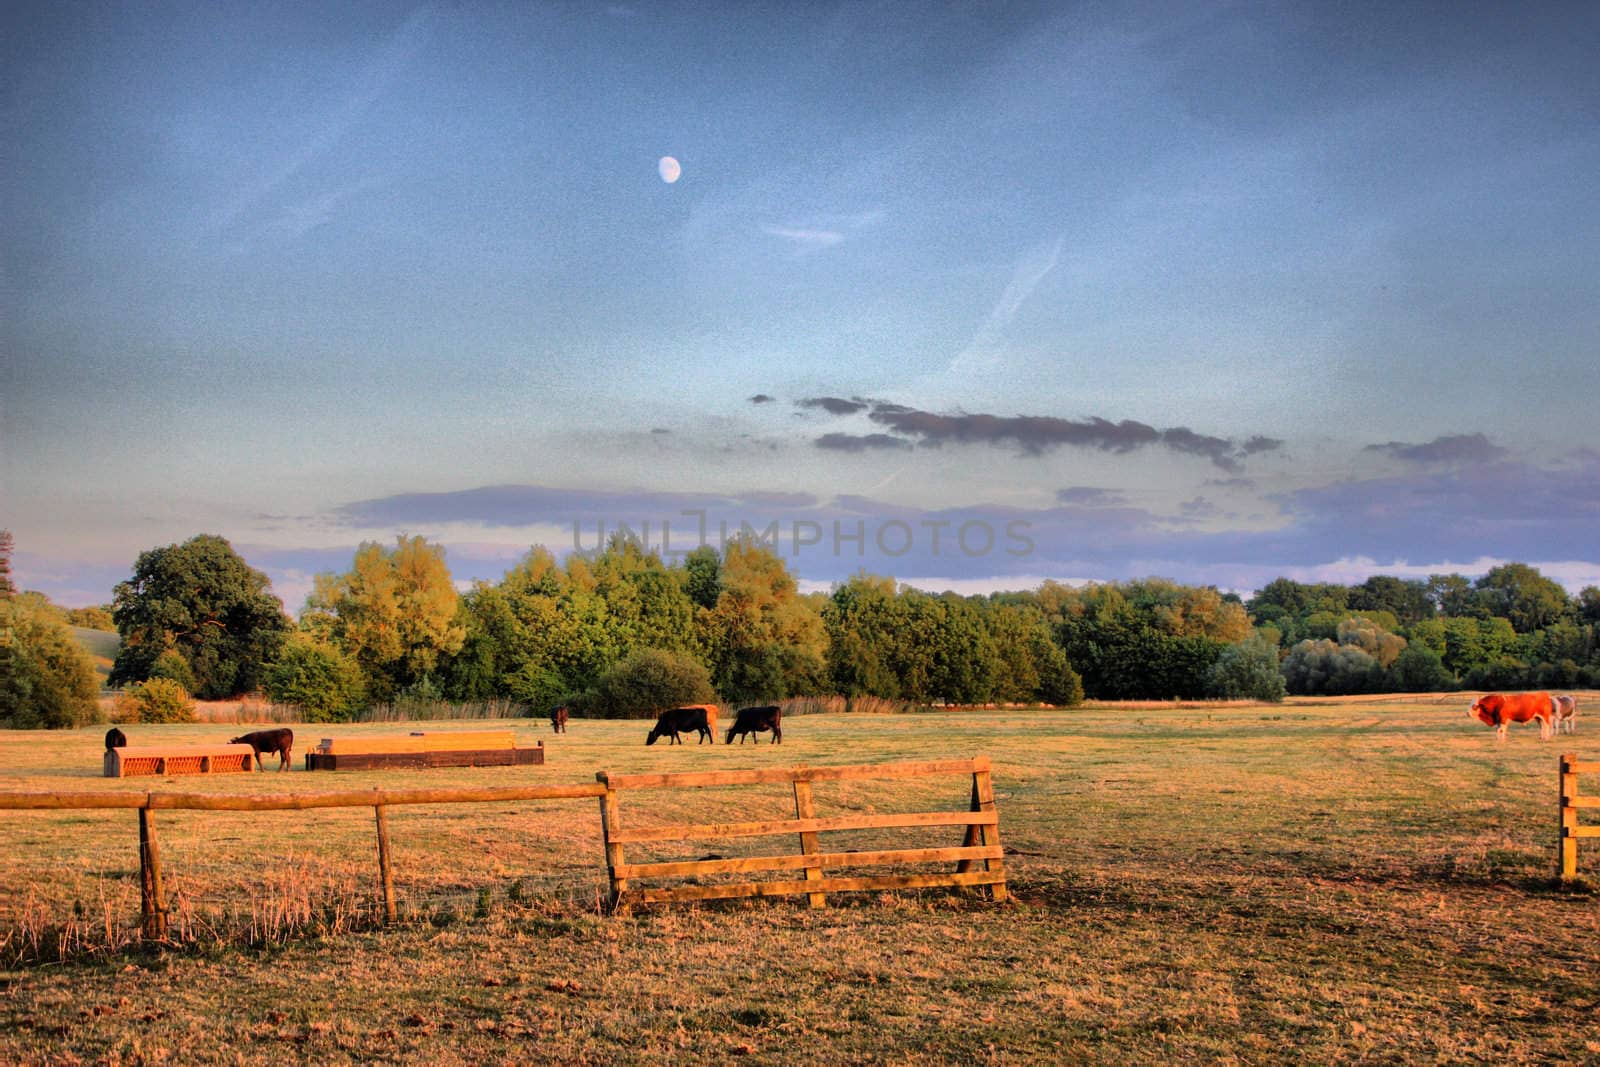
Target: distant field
x=102 y=645
x=1326 y=881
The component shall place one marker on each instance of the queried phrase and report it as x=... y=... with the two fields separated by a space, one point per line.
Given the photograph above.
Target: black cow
x=681 y=720
x=558 y=719
x=115 y=738
x=280 y=741
x=755 y=721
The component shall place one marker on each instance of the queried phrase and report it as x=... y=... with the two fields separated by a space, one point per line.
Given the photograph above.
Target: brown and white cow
x=1500 y=710
x=1566 y=710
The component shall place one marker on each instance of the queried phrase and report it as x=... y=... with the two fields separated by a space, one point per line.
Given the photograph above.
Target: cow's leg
x=777 y=735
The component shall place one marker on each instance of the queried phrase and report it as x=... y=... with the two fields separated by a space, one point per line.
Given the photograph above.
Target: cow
x=711 y=717
x=280 y=741
x=115 y=738
x=681 y=720
x=755 y=721
x=1566 y=711
x=1500 y=710
x=558 y=719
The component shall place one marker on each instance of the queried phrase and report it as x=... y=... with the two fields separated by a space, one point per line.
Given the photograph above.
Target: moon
x=670 y=169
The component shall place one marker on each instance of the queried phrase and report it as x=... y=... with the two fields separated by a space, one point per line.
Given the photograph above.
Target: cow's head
x=1486 y=709
x=655 y=734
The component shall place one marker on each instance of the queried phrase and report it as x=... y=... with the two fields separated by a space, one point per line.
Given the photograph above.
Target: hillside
x=100 y=644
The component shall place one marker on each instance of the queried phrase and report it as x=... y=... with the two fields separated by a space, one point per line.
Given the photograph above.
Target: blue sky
x=1216 y=292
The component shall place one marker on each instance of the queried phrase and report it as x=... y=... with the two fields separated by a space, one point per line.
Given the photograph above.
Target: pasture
x=1330 y=881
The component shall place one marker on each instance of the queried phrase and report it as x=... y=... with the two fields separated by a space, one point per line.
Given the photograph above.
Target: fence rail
x=1571 y=802
x=979 y=858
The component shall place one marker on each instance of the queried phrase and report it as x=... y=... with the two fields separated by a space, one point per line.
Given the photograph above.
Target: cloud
x=1259 y=443
x=1088 y=496
x=872 y=442
x=806 y=238
x=1035 y=435
x=762 y=398
x=833 y=405
x=1448 y=450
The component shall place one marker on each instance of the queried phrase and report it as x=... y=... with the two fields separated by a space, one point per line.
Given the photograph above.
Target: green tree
x=1419 y=669
x=1519 y=593
x=201 y=600
x=1589 y=605
x=394 y=612
x=703 y=568
x=1247 y=670
x=97 y=617
x=763 y=640
x=1451 y=595
x=1406 y=599
x=1323 y=666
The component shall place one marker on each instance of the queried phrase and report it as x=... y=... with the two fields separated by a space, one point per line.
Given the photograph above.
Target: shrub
x=1419 y=669
x=647 y=683
x=156 y=700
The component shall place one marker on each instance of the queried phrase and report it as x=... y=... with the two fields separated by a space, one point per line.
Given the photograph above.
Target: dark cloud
x=660 y=430
x=871 y=442
x=1198 y=508
x=1259 y=443
x=762 y=398
x=1451 y=449
x=1088 y=496
x=1230 y=483
x=833 y=405
x=1035 y=435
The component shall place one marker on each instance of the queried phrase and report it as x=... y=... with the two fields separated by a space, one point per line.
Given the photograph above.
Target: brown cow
x=1566 y=713
x=1500 y=710
x=280 y=741
x=558 y=719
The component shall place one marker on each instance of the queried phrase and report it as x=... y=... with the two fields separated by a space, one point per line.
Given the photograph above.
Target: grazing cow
x=680 y=720
x=115 y=738
x=280 y=741
x=1566 y=710
x=755 y=721
x=1500 y=710
x=558 y=719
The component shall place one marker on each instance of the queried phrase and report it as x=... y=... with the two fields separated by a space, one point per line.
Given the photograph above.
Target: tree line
x=620 y=630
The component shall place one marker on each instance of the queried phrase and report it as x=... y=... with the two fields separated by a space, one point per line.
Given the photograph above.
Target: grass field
x=1334 y=881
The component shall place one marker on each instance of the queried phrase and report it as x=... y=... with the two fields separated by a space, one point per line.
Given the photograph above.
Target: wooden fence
x=1571 y=830
x=152 y=902
x=980 y=848
x=978 y=858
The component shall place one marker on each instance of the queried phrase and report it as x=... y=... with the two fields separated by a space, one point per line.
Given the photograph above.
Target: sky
x=969 y=295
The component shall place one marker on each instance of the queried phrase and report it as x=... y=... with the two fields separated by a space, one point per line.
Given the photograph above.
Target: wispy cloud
x=380 y=72
x=806 y=238
x=1029 y=271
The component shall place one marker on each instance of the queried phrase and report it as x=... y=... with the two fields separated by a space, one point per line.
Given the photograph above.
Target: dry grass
x=1309 y=881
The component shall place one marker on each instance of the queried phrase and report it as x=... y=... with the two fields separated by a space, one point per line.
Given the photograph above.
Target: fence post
x=385 y=869
x=1569 y=817
x=983 y=800
x=610 y=823
x=805 y=808
x=152 y=911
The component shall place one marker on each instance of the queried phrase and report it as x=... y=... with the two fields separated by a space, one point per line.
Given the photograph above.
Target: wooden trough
x=179 y=759
x=473 y=748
